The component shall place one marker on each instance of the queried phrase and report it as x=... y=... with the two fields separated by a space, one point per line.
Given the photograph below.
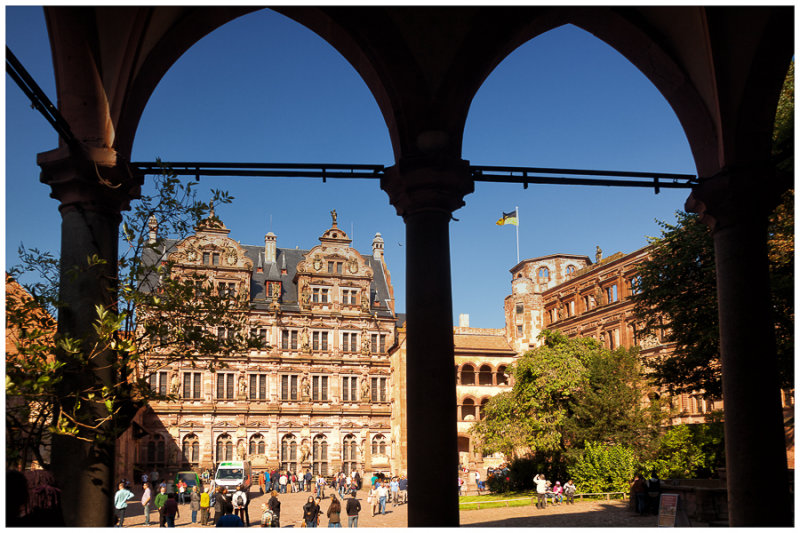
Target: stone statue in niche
x=175 y=384
x=305 y=453
x=305 y=388
x=305 y=296
x=365 y=389
x=242 y=387
x=304 y=345
x=365 y=301
x=365 y=342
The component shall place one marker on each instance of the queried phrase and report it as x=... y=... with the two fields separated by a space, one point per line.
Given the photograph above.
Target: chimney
x=463 y=320
x=270 y=247
x=377 y=247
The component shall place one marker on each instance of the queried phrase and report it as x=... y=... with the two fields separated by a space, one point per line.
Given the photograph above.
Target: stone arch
x=468 y=374
x=485 y=374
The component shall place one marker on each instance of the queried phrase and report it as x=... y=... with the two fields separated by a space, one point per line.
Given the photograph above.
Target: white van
x=232 y=474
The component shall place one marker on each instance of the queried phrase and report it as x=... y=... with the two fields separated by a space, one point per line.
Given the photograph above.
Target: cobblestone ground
x=581 y=514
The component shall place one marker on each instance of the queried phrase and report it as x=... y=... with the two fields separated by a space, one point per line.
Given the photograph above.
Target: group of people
x=312 y=511
x=645 y=494
x=287 y=481
x=557 y=492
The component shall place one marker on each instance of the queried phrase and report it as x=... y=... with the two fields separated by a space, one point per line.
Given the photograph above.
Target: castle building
x=315 y=396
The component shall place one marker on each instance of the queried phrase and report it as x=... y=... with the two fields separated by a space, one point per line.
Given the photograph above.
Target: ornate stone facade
x=316 y=396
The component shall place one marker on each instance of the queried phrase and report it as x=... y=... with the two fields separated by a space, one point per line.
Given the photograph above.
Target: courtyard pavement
x=581 y=514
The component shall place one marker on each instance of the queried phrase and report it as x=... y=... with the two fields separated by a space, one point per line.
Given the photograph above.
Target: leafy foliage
x=604 y=468
x=609 y=409
x=689 y=451
x=159 y=316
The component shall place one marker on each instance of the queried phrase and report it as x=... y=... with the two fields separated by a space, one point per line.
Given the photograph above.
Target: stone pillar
x=93 y=192
x=425 y=192
x=736 y=206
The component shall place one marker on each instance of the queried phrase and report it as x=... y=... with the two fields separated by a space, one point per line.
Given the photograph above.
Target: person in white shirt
x=240 y=502
x=383 y=493
x=541 y=491
x=282 y=481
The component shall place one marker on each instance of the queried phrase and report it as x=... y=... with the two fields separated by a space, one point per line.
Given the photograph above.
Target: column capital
x=425 y=183
x=737 y=193
x=94 y=179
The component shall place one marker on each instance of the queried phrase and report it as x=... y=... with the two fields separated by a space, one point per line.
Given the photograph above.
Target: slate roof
x=286 y=259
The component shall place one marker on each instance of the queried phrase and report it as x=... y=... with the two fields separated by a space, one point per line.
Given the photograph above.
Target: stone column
x=425 y=192
x=93 y=192
x=736 y=206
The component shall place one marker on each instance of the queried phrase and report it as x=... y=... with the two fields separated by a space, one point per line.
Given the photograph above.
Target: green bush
x=602 y=468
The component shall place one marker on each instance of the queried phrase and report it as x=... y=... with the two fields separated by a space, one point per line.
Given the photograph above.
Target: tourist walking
x=147 y=502
x=194 y=503
x=205 y=505
x=171 y=510
x=275 y=506
x=240 y=504
x=383 y=493
x=334 y=512
x=310 y=512
x=639 y=490
x=395 y=491
x=353 y=508
x=160 y=500
x=121 y=503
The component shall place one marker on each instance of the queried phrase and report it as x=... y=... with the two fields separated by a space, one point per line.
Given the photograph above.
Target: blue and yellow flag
x=508 y=218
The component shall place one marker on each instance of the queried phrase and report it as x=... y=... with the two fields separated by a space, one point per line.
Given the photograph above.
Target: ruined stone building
x=316 y=396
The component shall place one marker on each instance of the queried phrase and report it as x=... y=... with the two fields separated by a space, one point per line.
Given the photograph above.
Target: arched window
x=319 y=466
x=485 y=375
x=349 y=454
x=378 y=445
x=544 y=274
x=191 y=449
x=289 y=453
x=468 y=409
x=467 y=375
x=257 y=444
x=502 y=378
x=570 y=270
x=224 y=448
x=482 y=410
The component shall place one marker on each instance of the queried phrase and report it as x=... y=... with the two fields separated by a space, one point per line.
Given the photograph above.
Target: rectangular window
x=215 y=259
x=319 y=341
x=258 y=387
x=225 y=386
x=379 y=389
x=289 y=339
x=611 y=293
x=350 y=388
x=158 y=382
x=349 y=342
x=519 y=330
x=206 y=258
x=191 y=385
x=571 y=308
x=378 y=343
x=520 y=309
x=226 y=289
x=319 y=295
x=289 y=387
x=319 y=388
x=349 y=296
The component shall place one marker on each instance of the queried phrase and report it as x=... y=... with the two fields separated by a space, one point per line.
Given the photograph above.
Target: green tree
x=158 y=318
x=677 y=300
x=687 y=452
x=531 y=417
x=611 y=409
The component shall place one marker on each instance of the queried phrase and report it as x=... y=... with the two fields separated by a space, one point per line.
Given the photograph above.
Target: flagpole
x=517 y=212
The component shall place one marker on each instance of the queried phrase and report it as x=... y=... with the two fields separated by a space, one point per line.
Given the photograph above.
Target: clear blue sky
x=265 y=89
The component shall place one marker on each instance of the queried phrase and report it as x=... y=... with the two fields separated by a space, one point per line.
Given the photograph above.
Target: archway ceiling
x=424 y=65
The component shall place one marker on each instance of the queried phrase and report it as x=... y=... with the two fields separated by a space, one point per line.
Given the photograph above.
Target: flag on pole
x=508 y=218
